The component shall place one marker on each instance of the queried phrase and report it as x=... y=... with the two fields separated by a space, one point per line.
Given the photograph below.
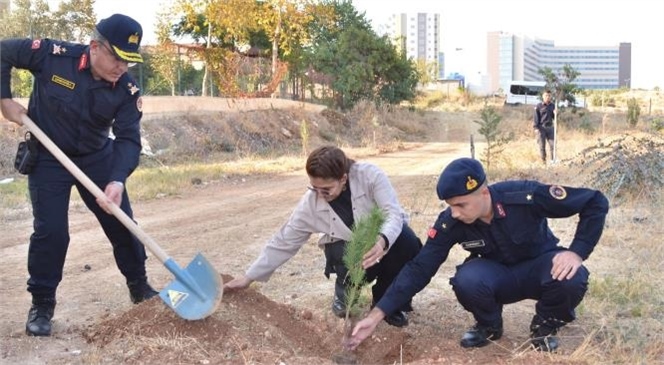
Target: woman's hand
x=242 y=282
x=373 y=256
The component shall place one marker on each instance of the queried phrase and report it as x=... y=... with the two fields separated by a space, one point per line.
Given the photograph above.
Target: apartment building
x=515 y=57
x=418 y=34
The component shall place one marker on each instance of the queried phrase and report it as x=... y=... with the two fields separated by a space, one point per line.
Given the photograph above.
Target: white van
x=524 y=92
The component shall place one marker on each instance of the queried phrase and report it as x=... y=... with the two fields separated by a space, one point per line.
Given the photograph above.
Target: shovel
x=196 y=291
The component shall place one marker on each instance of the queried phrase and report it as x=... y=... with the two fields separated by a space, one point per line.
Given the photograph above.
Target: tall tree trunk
x=204 y=86
x=275 y=49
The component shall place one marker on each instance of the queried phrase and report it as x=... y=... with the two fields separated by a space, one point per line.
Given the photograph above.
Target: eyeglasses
x=129 y=64
x=322 y=191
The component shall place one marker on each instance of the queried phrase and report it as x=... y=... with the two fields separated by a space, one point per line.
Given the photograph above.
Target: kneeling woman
x=342 y=191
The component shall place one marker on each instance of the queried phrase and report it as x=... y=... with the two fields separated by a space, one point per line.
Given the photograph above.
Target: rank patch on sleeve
x=558 y=192
x=139 y=103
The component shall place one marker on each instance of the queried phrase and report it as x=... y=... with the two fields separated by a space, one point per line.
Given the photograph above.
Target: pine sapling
x=365 y=231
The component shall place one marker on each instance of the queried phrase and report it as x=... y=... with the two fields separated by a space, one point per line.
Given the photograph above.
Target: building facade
x=512 y=57
x=418 y=34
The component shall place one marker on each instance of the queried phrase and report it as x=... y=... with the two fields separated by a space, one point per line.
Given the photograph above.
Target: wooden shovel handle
x=94 y=189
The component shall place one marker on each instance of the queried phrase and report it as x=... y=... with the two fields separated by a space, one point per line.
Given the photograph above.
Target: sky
x=465 y=23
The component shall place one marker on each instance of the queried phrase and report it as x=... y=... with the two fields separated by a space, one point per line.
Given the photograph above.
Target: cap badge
x=133 y=38
x=471 y=184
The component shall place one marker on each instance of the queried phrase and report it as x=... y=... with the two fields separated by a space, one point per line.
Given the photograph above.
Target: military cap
x=462 y=176
x=124 y=34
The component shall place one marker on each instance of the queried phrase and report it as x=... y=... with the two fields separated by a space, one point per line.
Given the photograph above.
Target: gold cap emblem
x=471 y=183
x=133 y=38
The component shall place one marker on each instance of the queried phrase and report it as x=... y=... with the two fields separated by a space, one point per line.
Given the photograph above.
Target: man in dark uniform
x=513 y=253
x=80 y=93
x=543 y=125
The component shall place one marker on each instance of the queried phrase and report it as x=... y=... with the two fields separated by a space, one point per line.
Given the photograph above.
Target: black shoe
x=339 y=307
x=397 y=319
x=545 y=343
x=542 y=333
x=140 y=290
x=479 y=335
x=39 y=318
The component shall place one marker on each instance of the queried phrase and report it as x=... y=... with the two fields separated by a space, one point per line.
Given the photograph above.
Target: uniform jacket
x=370 y=187
x=518 y=232
x=76 y=111
x=543 y=116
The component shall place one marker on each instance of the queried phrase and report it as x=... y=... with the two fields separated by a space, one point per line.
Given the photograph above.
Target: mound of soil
x=249 y=328
x=246 y=328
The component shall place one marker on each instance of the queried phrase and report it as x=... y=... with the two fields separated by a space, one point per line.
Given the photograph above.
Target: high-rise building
x=418 y=34
x=512 y=57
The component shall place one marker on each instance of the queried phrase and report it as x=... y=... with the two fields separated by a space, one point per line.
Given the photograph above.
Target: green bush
x=633 y=112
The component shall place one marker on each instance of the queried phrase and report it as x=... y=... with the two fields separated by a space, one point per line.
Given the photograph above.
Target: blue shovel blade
x=196 y=291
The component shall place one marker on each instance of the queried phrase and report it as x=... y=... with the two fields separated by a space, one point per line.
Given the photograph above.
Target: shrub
x=633 y=112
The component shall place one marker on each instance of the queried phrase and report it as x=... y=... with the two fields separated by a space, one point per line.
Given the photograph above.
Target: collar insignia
x=133 y=89
x=501 y=210
x=58 y=49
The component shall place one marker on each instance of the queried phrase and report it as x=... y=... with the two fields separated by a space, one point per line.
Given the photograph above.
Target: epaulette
x=65 y=49
x=518 y=197
x=128 y=83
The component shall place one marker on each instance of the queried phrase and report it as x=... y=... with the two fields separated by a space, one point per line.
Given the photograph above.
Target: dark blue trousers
x=483 y=287
x=50 y=190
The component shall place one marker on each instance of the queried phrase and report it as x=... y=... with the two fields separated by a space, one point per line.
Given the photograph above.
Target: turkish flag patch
x=432 y=232
x=36 y=44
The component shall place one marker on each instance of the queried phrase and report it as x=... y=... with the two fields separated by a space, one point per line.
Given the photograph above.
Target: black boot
x=479 y=335
x=339 y=307
x=543 y=331
x=140 y=290
x=397 y=319
x=39 y=317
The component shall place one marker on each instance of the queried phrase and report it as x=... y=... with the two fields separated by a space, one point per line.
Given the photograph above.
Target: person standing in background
x=544 y=127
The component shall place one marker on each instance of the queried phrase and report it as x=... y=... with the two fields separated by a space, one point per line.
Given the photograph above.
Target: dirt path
x=229 y=222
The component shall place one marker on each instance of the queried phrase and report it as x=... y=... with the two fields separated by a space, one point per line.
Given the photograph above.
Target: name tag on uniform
x=472 y=244
x=63 y=82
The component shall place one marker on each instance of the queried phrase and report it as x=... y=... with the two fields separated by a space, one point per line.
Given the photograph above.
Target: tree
x=427 y=71
x=164 y=58
x=562 y=89
x=489 y=128
x=73 y=21
x=633 y=112
x=233 y=24
x=561 y=83
x=362 y=65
